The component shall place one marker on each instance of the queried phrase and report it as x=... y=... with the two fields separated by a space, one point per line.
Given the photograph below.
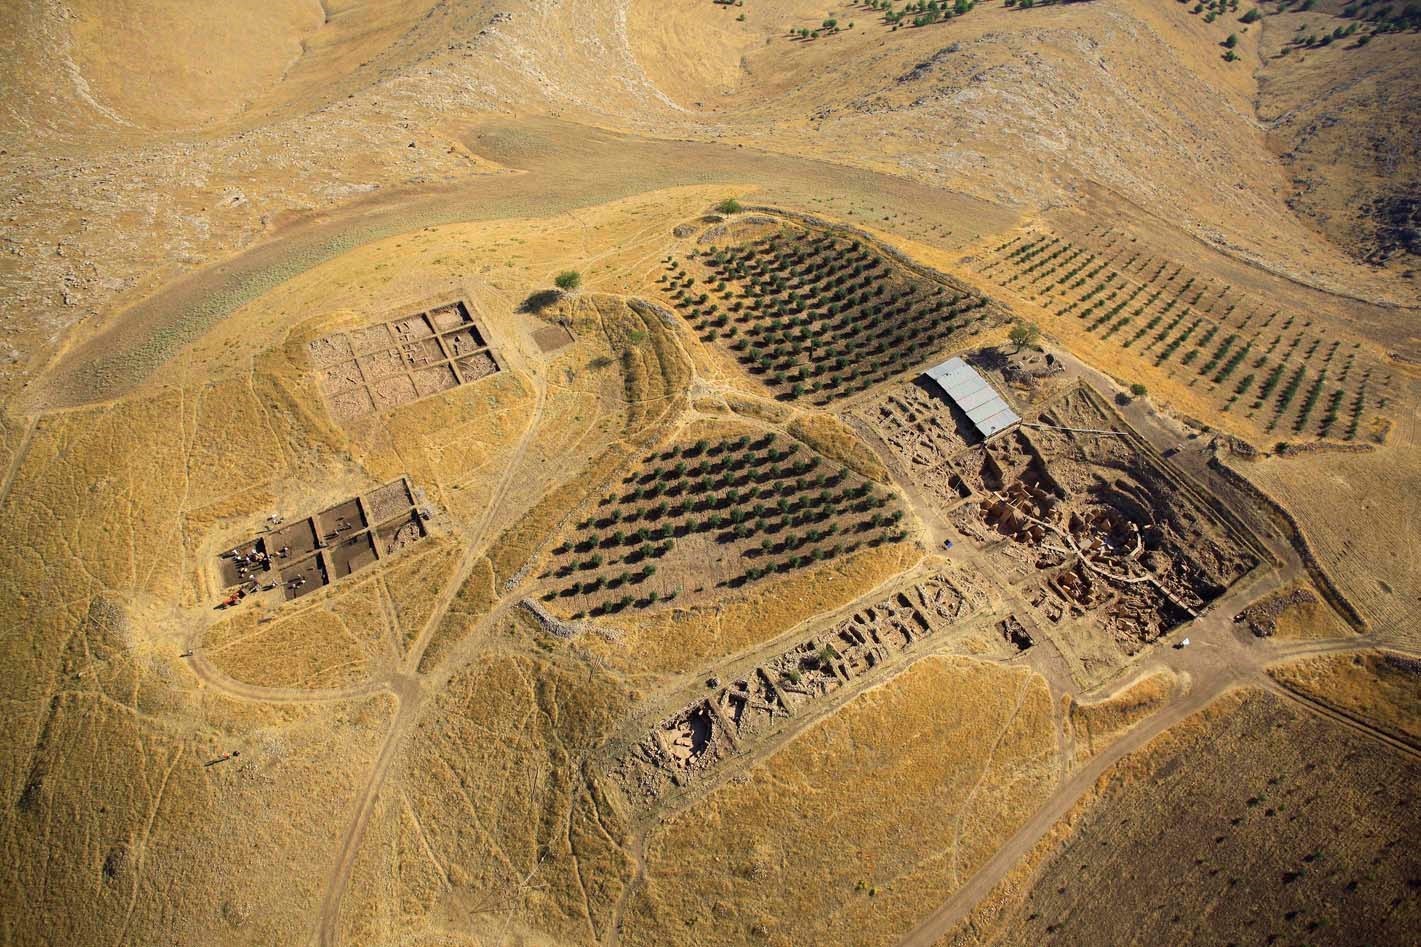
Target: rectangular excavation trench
x=380 y=367
x=294 y=559
x=691 y=743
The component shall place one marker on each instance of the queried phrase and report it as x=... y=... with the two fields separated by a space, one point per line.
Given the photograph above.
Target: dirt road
x=560 y=167
x=231 y=687
x=1215 y=666
x=980 y=884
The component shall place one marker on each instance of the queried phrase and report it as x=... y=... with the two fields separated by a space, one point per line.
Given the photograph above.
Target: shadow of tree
x=539 y=301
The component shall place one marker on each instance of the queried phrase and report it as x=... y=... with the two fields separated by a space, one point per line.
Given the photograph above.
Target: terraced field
x=710 y=513
x=1281 y=372
x=820 y=316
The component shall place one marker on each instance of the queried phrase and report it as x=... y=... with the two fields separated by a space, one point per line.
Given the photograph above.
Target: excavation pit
x=318 y=550
x=415 y=327
x=382 y=367
x=401 y=534
x=463 y=341
x=446 y=318
x=688 y=745
x=292 y=542
x=431 y=381
x=303 y=578
x=1093 y=524
x=476 y=366
x=551 y=338
x=334 y=523
x=243 y=564
x=370 y=339
x=351 y=555
x=389 y=500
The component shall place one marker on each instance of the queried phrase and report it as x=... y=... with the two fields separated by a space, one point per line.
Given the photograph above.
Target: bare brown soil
x=1255 y=820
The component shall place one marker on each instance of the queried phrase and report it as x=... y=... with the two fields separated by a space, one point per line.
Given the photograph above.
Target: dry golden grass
x=412 y=583
x=1296 y=613
x=473 y=601
x=335 y=641
x=196 y=74
x=617 y=390
x=1356 y=512
x=1381 y=687
x=843 y=835
x=682 y=640
x=1311 y=620
x=489 y=824
x=1251 y=820
x=832 y=438
x=118 y=809
x=1094 y=725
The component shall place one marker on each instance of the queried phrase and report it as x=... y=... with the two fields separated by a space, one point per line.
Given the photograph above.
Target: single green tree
x=1139 y=390
x=1023 y=334
x=728 y=206
x=568 y=281
x=1232 y=41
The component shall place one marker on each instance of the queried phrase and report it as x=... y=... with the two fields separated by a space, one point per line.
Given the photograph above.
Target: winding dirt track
x=956 y=908
x=231 y=687
x=953 y=911
x=411 y=698
x=560 y=166
x=412 y=695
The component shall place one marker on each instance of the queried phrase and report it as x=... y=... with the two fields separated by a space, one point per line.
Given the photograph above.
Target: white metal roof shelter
x=977 y=399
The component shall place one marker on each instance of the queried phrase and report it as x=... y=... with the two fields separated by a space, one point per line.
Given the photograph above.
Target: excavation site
x=615 y=473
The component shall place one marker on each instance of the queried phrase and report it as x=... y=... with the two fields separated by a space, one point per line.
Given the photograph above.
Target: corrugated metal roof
x=977 y=399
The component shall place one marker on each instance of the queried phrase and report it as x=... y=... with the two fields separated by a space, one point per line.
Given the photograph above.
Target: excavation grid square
x=310 y=553
x=381 y=367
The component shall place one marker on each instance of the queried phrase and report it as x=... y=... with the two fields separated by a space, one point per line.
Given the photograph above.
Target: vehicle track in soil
x=412 y=696
x=1242 y=663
